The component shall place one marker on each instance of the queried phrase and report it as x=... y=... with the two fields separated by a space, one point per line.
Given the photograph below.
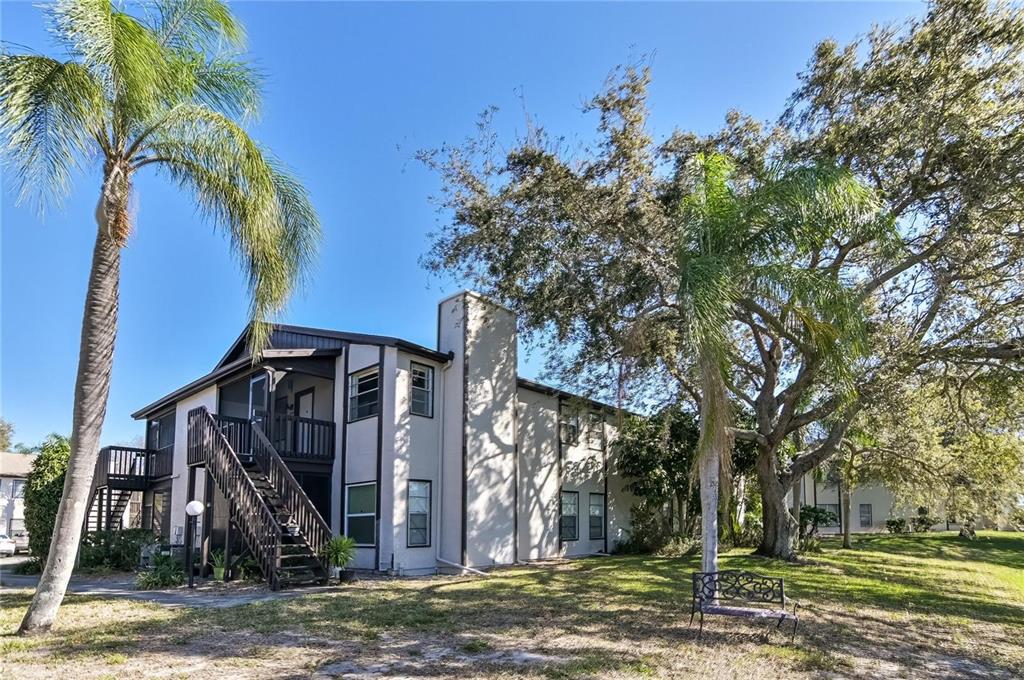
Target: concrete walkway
x=216 y=595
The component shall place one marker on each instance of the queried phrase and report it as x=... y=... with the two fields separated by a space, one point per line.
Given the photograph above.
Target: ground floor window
x=866 y=520
x=596 y=516
x=361 y=513
x=419 y=514
x=569 y=516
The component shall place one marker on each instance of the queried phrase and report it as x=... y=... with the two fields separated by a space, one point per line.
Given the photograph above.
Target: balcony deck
x=124 y=467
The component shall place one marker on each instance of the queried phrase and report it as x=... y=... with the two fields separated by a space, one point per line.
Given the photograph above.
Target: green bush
x=922 y=521
x=812 y=517
x=166 y=573
x=43 y=488
x=114 y=550
x=896 y=525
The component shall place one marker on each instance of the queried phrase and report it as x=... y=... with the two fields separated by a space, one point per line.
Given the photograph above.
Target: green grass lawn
x=932 y=606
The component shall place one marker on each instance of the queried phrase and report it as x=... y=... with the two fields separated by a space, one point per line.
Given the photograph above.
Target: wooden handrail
x=307 y=518
x=297 y=437
x=260 y=528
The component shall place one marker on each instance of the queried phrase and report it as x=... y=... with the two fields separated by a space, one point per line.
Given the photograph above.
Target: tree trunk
x=714 y=449
x=741 y=501
x=847 y=505
x=92 y=385
x=779 y=524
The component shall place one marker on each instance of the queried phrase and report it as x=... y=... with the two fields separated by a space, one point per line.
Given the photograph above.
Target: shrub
x=43 y=488
x=812 y=517
x=114 y=550
x=340 y=550
x=679 y=546
x=29 y=566
x=811 y=545
x=922 y=521
x=166 y=573
x=896 y=525
x=1017 y=519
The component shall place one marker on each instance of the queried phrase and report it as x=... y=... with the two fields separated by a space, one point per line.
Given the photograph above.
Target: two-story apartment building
x=430 y=458
x=14 y=469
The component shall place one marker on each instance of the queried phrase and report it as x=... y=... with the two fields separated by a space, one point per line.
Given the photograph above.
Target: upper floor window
x=422 y=398
x=17 y=488
x=363 y=390
x=569 y=425
x=595 y=431
x=161 y=432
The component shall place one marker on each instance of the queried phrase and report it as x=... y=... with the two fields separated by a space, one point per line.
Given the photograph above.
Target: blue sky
x=353 y=91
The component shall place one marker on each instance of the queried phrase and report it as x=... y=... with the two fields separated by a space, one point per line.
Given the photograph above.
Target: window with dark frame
x=568 y=524
x=866 y=518
x=421 y=402
x=363 y=390
x=596 y=516
x=595 y=431
x=160 y=436
x=419 y=514
x=361 y=513
x=569 y=425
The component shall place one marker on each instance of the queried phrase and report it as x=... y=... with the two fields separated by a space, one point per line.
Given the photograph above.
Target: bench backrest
x=736 y=585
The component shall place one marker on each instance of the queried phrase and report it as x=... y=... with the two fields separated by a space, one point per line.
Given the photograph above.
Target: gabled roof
x=304 y=337
x=285 y=341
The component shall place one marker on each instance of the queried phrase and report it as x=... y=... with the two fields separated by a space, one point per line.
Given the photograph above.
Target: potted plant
x=339 y=551
x=218 y=559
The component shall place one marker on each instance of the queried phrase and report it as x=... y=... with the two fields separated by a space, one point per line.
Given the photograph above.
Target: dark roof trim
x=194 y=386
x=354 y=338
x=555 y=392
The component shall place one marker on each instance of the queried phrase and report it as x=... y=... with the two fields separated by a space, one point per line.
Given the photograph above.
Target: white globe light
x=194 y=508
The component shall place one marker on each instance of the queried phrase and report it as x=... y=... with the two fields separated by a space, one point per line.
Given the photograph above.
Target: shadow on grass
x=627 y=600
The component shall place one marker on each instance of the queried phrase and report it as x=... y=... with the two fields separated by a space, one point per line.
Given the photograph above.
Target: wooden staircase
x=107 y=511
x=281 y=527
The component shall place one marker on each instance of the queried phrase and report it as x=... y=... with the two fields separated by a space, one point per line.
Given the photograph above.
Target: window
x=419 y=514
x=596 y=516
x=361 y=513
x=569 y=425
x=568 y=526
x=866 y=520
x=161 y=433
x=422 y=398
x=362 y=394
x=17 y=488
x=595 y=431
x=834 y=509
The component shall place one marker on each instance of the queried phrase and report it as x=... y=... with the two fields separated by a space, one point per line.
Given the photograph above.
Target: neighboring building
x=431 y=459
x=871 y=505
x=14 y=469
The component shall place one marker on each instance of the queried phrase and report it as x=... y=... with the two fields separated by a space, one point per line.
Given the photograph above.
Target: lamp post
x=192 y=512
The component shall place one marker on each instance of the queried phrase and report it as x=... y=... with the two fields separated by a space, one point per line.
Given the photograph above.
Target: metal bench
x=741 y=593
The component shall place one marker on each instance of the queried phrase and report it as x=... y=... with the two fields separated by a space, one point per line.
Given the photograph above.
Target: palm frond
x=271 y=223
x=119 y=50
x=197 y=26
x=49 y=114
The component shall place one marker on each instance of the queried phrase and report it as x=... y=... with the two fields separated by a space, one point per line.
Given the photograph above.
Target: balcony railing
x=125 y=467
x=307 y=438
x=292 y=437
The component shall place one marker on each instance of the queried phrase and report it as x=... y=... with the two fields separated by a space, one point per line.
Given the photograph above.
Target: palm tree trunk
x=847 y=505
x=92 y=384
x=713 y=446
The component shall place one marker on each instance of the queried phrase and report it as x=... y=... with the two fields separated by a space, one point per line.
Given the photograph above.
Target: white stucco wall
x=538 y=475
x=179 y=481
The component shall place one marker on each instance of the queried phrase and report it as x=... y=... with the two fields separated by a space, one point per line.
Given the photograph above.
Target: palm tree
x=164 y=89
x=748 y=241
